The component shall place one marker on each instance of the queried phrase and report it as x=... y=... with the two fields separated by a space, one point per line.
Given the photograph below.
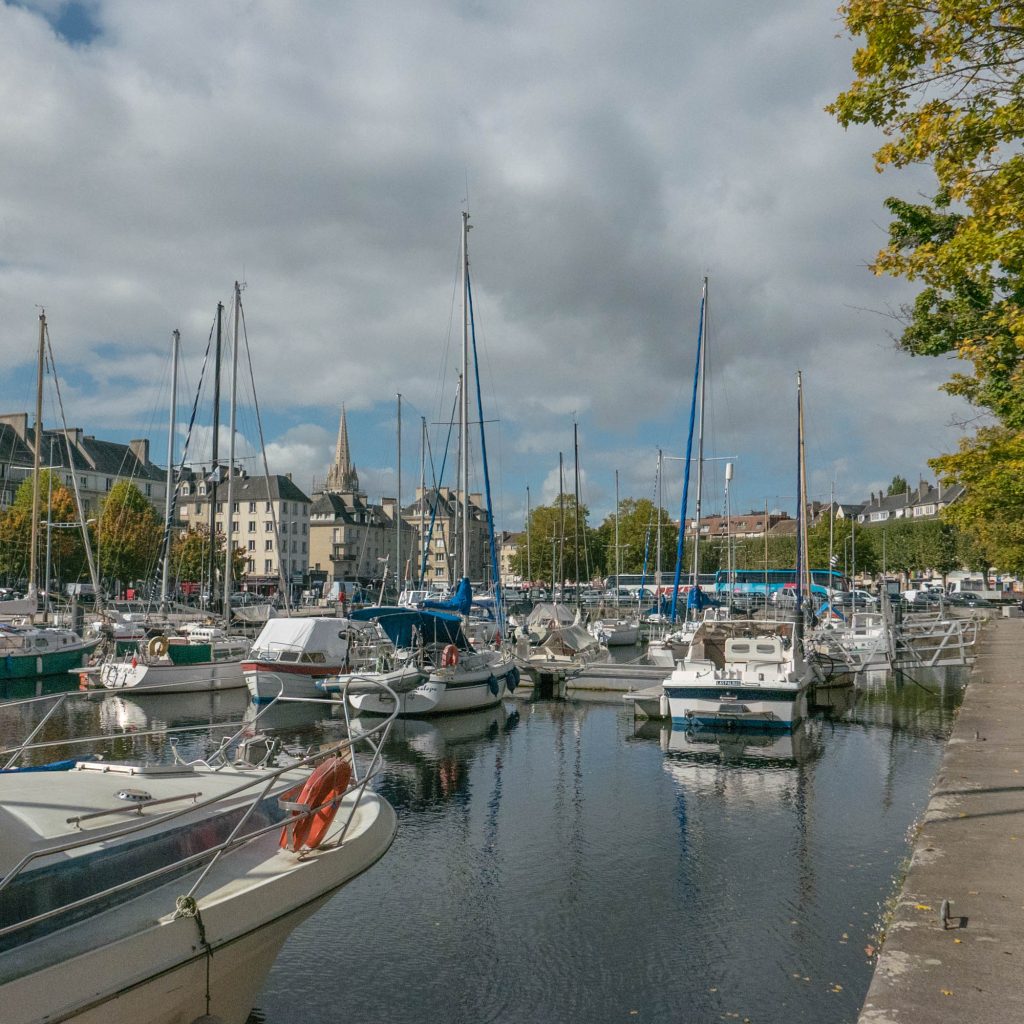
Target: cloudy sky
x=611 y=155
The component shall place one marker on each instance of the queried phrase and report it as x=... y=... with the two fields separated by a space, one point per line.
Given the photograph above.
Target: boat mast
x=398 y=505
x=214 y=455
x=423 y=497
x=529 y=570
x=617 y=540
x=165 y=580
x=700 y=431
x=728 y=530
x=561 y=527
x=229 y=547
x=464 y=403
x=34 y=542
x=576 y=534
x=657 y=560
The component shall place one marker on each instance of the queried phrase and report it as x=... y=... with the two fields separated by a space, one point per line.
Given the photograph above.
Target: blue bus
x=767 y=581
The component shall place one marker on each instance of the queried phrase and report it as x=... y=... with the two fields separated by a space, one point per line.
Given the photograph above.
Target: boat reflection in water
x=170 y=710
x=429 y=758
x=744 y=747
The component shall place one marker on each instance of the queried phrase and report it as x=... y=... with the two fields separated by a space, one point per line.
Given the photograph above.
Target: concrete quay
x=969 y=851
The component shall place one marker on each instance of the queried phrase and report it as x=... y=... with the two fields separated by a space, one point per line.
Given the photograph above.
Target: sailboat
x=29 y=650
x=746 y=672
x=432 y=636
x=619 y=631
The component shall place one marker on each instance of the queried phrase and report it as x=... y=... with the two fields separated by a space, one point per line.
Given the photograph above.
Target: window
x=149 y=490
x=439 y=572
x=110 y=483
x=251 y=565
x=268 y=508
x=295 y=527
x=234 y=526
x=220 y=527
x=303 y=547
x=252 y=525
x=252 y=507
x=268 y=565
x=268 y=526
x=202 y=489
x=234 y=506
x=268 y=545
x=252 y=545
x=199 y=508
x=439 y=557
x=303 y=529
x=220 y=507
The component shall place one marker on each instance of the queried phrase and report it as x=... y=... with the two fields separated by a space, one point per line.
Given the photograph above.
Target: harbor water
x=557 y=861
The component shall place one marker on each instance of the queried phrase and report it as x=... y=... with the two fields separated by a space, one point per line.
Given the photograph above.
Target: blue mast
x=689 y=449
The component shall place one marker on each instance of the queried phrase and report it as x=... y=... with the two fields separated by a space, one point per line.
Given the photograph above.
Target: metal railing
x=373 y=738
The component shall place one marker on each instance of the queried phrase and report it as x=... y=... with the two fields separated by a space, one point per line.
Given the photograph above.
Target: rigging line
x=282 y=582
x=93 y=574
x=434 y=503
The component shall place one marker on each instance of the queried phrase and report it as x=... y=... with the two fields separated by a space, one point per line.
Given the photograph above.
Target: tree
x=190 y=556
x=552 y=544
x=128 y=535
x=854 y=547
x=638 y=527
x=942 y=79
x=899 y=485
x=57 y=505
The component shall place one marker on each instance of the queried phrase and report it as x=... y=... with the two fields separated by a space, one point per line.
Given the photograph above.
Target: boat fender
x=512 y=679
x=450 y=656
x=492 y=684
x=323 y=789
x=157 y=647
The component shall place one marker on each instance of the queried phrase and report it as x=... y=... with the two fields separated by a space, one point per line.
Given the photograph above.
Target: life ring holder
x=450 y=656
x=316 y=806
x=157 y=646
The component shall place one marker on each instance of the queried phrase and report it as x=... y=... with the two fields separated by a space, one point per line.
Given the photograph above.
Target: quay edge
x=969 y=851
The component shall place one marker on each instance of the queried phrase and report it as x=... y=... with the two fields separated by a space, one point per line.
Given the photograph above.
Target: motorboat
x=163 y=892
x=27 y=650
x=198 y=659
x=740 y=673
x=291 y=654
x=616 y=632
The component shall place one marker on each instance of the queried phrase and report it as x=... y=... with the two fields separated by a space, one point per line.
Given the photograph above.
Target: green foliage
x=899 y=485
x=552 y=544
x=638 y=528
x=57 y=504
x=128 y=535
x=943 y=80
x=190 y=556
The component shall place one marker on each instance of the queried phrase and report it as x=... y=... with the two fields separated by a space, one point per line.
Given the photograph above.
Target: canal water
x=556 y=861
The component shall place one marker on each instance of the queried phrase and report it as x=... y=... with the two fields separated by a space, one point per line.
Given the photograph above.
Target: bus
x=767 y=581
x=636 y=584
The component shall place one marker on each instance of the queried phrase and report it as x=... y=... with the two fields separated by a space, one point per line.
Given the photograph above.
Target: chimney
x=140 y=449
x=18 y=422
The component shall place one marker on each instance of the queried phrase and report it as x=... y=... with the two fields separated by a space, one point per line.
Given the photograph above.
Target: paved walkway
x=970 y=851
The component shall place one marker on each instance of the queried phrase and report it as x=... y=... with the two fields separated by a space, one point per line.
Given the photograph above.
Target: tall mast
x=464 y=403
x=657 y=566
x=561 y=526
x=398 y=504
x=700 y=431
x=229 y=546
x=616 y=539
x=529 y=565
x=165 y=580
x=214 y=455
x=38 y=446
x=799 y=498
x=576 y=534
x=423 y=497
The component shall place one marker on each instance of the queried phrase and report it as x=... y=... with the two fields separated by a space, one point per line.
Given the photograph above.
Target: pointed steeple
x=342 y=476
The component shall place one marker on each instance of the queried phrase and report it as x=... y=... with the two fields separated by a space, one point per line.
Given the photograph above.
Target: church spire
x=342 y=476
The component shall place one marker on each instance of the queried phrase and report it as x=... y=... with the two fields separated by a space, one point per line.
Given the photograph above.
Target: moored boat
x=163 y=893
x=41 y=650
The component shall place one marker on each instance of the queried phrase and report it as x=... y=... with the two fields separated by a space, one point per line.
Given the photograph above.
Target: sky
x=610 y=155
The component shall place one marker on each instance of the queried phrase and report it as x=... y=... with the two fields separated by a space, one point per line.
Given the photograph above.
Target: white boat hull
x=774 y=708
x=265 y=682
x=143 y=678
x=446 y=691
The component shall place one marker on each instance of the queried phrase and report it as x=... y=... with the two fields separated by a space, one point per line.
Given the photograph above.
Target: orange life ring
x=450 y=656
x=324 y=787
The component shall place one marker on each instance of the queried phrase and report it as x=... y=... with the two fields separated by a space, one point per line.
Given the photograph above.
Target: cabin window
x=741 y=648
x=766 y=648
x=289 y=656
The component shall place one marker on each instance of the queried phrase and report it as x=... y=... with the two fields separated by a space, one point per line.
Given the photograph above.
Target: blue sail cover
x=399 y=624
x=696 y=599
x=459 y=602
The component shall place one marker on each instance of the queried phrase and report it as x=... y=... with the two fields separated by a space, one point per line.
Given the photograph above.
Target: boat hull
x=267 y=681
x=445 y=692
x=160 y=974
x=48 y=663
x=736 y=707
x=199 y=678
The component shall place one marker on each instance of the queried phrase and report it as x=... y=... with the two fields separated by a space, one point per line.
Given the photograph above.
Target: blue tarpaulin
x=459 y=602
x=399 y=623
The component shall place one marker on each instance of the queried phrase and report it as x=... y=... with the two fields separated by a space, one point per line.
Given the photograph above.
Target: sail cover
x=399 y=623
x=459 y=602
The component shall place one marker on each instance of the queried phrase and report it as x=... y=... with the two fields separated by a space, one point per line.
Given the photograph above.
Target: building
x=923 y=502
x=439 y=510
x=350 y=538
x=96 y=466
x=739 y=527
x=270 y=519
